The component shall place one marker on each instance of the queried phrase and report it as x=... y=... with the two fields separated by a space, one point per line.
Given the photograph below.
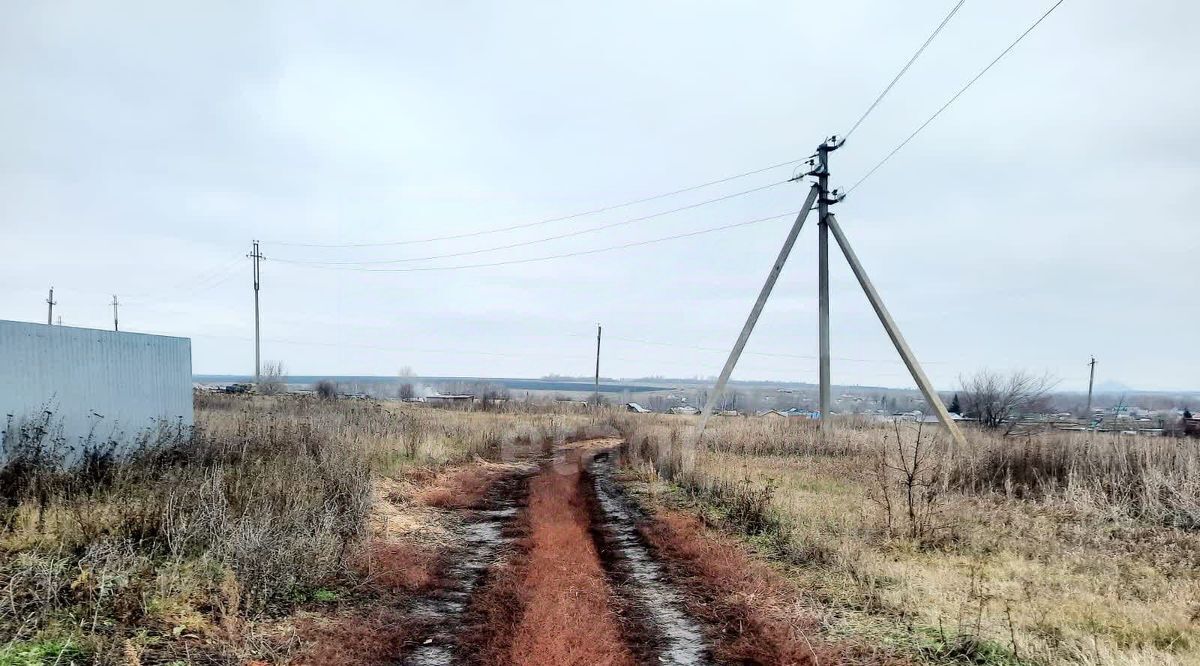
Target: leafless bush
x=271 y=380
x=327 y=389
x=909 y=480
x=999 y=400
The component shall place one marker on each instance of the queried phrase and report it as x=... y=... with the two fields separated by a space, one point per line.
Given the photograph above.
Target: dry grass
x=568 y=616
x=191 y=541
x=752 y=607
x=353 y=638
x=1063 y=549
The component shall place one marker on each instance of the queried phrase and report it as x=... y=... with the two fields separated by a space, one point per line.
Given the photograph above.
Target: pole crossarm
x=755 y=311
x=893 y=331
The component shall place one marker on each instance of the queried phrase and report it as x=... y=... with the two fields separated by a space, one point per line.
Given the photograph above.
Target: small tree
x=996 y=399
x=271 y=381
x=406 y=391
x=955 y=405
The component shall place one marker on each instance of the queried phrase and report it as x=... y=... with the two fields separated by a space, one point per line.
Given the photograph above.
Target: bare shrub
x=910 y=481
x=272 y=379
x=999 y=400
x=327 y=389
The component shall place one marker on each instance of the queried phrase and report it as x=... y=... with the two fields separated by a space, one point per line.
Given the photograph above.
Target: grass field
x=285 y=530
x=1053 y=549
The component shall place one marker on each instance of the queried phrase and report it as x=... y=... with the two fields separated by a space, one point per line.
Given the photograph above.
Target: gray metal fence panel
x=106 y=384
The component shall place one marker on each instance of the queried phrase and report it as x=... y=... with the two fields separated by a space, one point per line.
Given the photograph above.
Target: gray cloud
x=1048 y=215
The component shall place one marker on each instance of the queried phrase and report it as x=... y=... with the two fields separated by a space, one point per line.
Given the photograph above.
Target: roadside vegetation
x=292 y=530
x=1044 y=549
x=193 y=545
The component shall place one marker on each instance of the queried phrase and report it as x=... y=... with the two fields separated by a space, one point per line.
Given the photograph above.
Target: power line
x=548 y=257
x=904 y=69
x=766 y=354
x=526 y=225
x=341 y=345
x=200 y=281
x=956 y=96
x=547 y=239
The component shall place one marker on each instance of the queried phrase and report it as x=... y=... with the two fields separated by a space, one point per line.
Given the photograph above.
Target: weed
x=324 y=596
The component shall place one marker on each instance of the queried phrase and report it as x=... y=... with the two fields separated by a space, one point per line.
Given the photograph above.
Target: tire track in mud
x=638 y=577
x=485 y=536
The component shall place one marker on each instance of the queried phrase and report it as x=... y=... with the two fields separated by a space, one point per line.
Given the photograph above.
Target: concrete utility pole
x=115 y=303
x=821 y=194
x=50 y=311
x=1091 y=379
x=748 y=327
x=822 y=174
x=910 y=359
x=257 y=257
x=597 y=364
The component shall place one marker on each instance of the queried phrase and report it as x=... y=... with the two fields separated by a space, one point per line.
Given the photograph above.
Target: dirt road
x=550 y=569
x=548 y=562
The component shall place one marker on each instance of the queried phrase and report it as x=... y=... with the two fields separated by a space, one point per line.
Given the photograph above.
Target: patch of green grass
x=37 y=653
x=324 y=596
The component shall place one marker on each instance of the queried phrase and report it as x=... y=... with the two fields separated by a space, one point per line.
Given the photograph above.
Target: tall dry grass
x=263 y=501
x=1057 y=548
x=1150 y=478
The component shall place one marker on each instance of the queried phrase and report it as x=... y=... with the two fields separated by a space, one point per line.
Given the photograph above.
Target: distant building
x=932 y=418
x=796 y=412
x=771 y=413
x=686 y=410
x=456 y=399
x=636 y=408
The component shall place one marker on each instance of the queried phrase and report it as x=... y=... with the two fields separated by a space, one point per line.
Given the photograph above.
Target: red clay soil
x=749 y=607
x=460 y=488
x=370 y=629
x=567 y=606
x=352 y=639
x=397 y=567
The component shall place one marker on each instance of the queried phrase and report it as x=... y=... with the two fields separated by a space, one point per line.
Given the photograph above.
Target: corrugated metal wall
x=117 y=384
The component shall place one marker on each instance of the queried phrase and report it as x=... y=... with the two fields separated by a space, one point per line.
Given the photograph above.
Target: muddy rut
x=550 y=568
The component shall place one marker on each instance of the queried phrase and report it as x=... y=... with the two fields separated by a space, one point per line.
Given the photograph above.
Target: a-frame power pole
x=827 y=222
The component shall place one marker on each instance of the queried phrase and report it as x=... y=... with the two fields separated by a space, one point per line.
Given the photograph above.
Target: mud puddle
x=639 y=578
x=483 y=542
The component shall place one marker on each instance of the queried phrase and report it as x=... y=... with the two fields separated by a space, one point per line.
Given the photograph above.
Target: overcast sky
x=1049 y=214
